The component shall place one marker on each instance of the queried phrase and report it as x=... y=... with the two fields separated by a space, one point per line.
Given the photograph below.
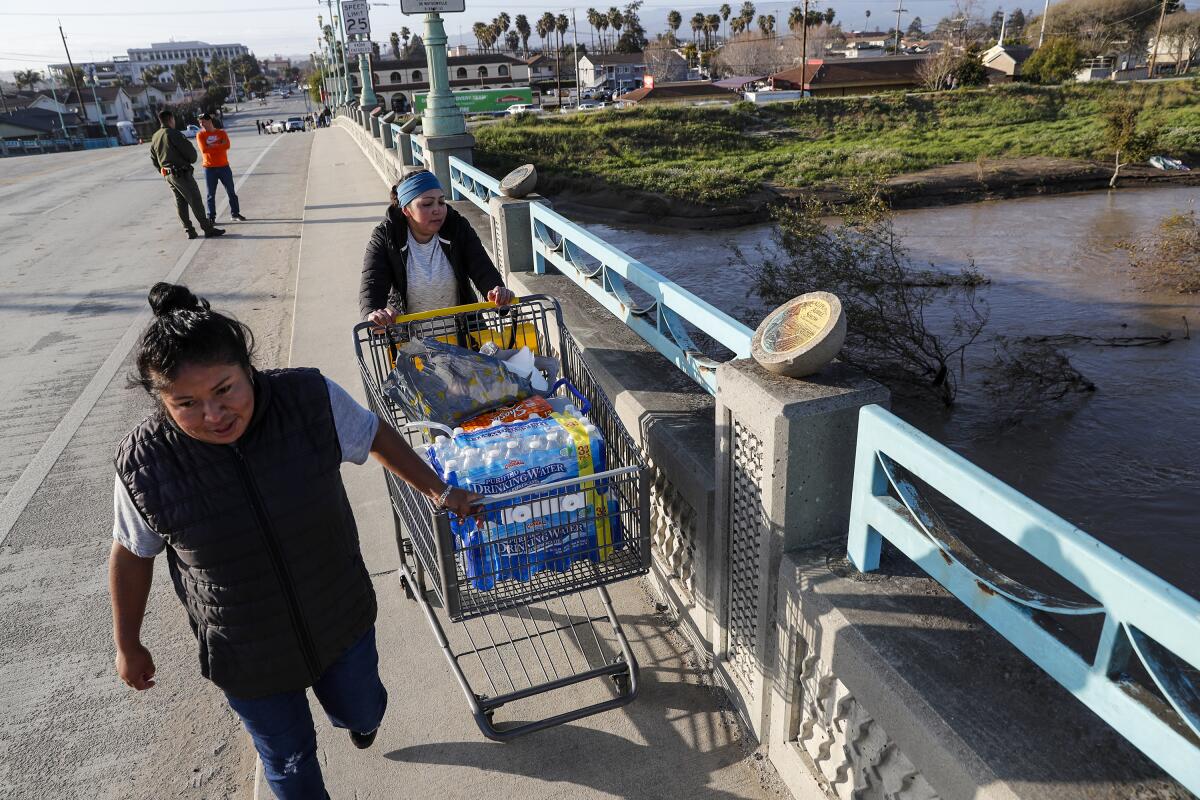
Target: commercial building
x=170 y=55
x=397 y=80
x=654 y=93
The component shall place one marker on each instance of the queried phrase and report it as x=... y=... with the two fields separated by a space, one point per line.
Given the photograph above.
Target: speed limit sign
x=356 y=17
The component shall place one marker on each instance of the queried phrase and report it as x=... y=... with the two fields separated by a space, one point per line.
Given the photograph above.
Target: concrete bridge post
x=512 y=237
x=784 y=461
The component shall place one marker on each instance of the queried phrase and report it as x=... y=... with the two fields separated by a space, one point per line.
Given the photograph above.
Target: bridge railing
x=469 y=183
x=1142 y=614
x=608 y=274
x=418 y=152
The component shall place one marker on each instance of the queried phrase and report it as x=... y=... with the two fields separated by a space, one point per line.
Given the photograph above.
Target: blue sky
x=29 y=37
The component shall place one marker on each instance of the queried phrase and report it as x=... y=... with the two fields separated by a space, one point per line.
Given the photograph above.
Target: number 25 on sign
x=356 y=14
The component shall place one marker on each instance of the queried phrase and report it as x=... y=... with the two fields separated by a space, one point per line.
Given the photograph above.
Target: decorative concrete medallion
x=801 y=336
x=519 y=182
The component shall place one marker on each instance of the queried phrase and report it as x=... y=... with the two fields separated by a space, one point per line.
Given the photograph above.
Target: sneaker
x=212 y=221
x=363 y=740
x=191 y=233
x=215 y=232
x=238 y=217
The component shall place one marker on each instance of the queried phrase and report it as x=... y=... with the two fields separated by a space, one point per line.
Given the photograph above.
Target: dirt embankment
x=595 y=200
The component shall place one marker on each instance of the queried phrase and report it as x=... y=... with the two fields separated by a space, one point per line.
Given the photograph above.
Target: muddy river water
x=1122 y=463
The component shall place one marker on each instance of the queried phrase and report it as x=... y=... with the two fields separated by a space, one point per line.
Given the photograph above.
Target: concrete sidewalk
x=677 y=740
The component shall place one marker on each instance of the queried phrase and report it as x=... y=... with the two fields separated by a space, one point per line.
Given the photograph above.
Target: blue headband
x=414 y=186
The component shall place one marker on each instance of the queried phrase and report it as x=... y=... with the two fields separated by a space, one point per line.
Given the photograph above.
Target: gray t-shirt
x=431 y=281
x=355 y=425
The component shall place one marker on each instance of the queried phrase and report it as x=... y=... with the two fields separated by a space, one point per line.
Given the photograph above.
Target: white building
x=619 y=72
x=172 y=54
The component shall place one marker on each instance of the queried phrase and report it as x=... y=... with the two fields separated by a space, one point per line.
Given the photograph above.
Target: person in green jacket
x=174 y=156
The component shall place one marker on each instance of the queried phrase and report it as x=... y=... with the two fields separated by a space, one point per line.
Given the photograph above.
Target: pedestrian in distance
x=174 y=158
x=213 y=144
x=424 y=255
x=236 y=477
x=258 y=125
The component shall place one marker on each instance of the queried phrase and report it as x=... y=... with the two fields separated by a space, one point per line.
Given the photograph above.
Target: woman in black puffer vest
x=237 y=478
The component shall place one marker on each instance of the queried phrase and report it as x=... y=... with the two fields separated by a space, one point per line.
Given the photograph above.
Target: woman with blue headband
x=424 y=256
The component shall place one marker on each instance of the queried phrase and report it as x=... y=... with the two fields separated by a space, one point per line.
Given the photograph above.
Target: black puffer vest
x=261 y=541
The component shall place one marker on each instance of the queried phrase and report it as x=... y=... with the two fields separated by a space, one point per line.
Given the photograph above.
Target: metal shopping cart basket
x=515 y=635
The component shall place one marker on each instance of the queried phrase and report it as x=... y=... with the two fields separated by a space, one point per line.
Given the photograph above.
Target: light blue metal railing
x=418 y=152
x=603 y=270
x=1143 y=614
x=469 y=183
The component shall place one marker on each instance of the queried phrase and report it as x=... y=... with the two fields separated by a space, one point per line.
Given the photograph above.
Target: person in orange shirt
x=213 y=145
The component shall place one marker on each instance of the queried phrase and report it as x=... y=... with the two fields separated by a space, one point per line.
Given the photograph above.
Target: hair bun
x=166 y=298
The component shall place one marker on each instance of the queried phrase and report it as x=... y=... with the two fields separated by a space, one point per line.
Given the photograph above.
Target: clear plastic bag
x=446 y=384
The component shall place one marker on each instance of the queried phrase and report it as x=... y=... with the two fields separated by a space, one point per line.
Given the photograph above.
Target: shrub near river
x=718 y=155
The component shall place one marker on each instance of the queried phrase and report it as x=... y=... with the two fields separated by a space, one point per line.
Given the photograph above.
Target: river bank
x=953 y=184
x=698 y=167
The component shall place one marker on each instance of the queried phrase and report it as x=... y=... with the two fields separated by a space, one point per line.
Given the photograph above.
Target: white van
x=126 y=133
x=522 y=108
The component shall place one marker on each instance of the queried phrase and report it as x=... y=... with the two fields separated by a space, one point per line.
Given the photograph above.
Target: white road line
x=36 y=471
x=296 y=290
x=57 y=207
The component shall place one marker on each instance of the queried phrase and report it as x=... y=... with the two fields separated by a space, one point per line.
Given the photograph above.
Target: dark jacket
x=261 y=542
x=170 y=148
x=385 y=271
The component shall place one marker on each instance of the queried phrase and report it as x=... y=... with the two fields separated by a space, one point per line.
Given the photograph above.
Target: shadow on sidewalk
x=677 y=720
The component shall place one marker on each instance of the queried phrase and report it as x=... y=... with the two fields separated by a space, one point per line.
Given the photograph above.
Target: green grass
x=721 y=154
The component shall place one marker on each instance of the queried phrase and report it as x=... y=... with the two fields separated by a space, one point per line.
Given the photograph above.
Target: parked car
x=294 y=124
x=591 y=106
x=523 y=108
x=278 y=126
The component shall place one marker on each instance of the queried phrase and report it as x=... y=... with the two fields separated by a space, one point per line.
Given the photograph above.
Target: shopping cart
x=518 y=633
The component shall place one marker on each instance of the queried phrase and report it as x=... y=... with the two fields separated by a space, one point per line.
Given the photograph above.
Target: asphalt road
x=82 y=238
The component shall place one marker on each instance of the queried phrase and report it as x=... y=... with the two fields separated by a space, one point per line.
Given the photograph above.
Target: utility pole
x=575 y=55
x=804 y=51
x=1162 y=12
x=900 y=9
x=1045 y=16
x=71 y=66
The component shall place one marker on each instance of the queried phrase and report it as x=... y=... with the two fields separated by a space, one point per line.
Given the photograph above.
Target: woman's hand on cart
x=462 y=502
x=501 y=296
x=382 y=317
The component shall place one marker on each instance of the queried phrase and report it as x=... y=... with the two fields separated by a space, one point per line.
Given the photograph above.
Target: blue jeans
x=225 y=176
x=282 y=728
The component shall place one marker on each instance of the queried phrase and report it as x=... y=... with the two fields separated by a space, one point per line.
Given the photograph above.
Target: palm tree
x=394 y=39
x=545 y=25
x=593 y=18
x=830 y=14
x=617 y=20
x=477 y=32
x=522 y=24
x=747 y=15
x=26 y=77
x=562 y=24
x=795 y=18
x=712 y=24
x=405 y=33
x=763 y=25
x=725 y=11
x=674 y=20
x=603 y=27
x=737 y=24
x=697 y=26
x=512 y=40
x=505 y=22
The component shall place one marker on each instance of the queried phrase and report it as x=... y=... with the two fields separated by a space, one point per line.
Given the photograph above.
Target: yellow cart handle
x=451 y=311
